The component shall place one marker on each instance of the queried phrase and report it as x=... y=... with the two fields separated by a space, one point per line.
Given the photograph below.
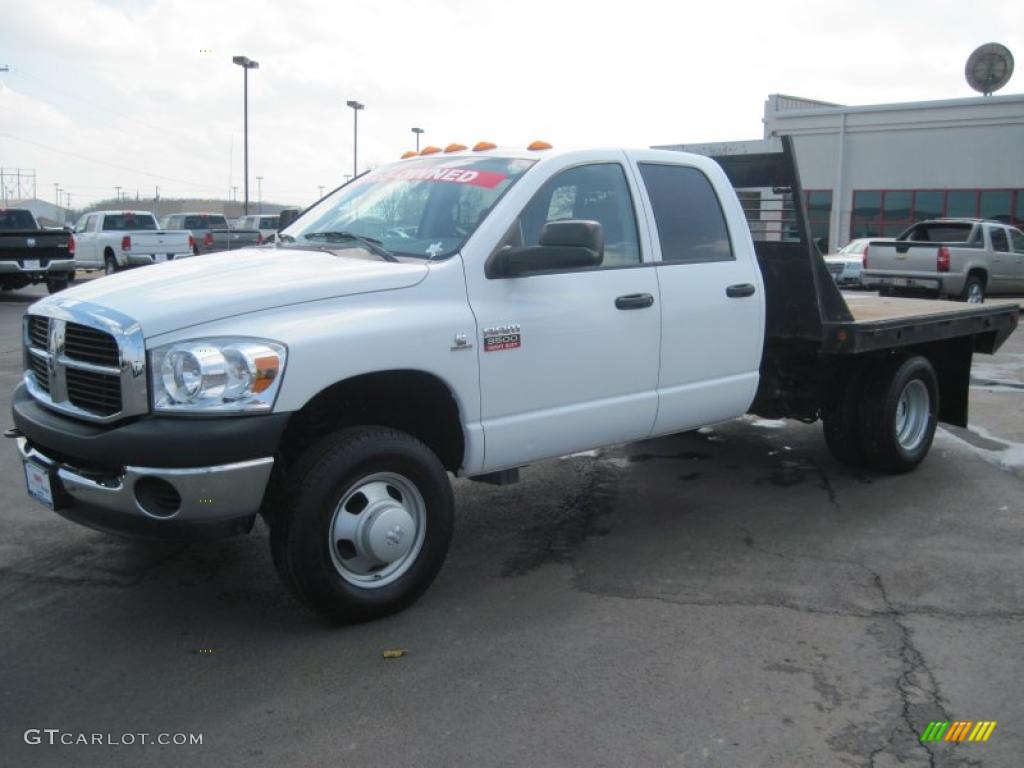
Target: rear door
x=712 y=297
x=1017 y=248
x=86 y=250
x=1003 y=277
x=569 y=360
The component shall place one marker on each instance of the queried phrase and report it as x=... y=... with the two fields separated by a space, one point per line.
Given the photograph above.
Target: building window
x=867 y=215
x=887 y=213
x=996 y=204
x=819 y=214
x=961 y=203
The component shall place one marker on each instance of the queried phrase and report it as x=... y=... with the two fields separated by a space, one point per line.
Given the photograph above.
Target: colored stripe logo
x=959 y=730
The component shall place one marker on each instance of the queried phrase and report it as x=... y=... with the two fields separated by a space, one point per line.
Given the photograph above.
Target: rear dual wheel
x=886 y=415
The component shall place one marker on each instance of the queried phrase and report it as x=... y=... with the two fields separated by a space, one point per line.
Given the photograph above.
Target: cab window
x=597 y=192
x=691 y=225
x=999 y=241
x=1017 y=238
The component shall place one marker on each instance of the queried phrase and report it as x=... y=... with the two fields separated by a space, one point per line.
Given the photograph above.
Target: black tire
x=973 y=288
x=884 y=387
x=316 y=484
x=110 y=264
x=55 y=284
x=841 y=418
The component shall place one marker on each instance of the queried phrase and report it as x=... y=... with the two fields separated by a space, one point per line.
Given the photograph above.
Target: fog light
x=157 y=497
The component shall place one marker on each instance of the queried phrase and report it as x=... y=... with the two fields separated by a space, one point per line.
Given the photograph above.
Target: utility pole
x=259 y=194
x=234 y=194
x=56 y=192
x=356 y=106
x=117 y=190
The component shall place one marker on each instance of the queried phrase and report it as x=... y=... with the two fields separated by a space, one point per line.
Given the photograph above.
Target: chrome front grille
x=94 y=392
x=91 y=345
x=85 y=361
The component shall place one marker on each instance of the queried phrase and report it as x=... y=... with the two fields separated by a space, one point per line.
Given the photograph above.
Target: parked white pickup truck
x=115 y=240
x=467 y=313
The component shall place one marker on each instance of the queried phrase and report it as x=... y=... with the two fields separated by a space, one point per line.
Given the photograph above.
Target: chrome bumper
x=222 y=499
x=55 y=265
x=141 y=259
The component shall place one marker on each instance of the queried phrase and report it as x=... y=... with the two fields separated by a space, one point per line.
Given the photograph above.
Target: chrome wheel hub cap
x=377 y=530
x=974 y=296
x=913 y=412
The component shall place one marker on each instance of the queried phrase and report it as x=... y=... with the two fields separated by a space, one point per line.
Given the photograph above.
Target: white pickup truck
x=116 y=240
x=466 y=312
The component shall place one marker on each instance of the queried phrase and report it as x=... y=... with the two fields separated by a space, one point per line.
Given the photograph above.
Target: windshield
x=426 y=207
x=855 y=247
x=128 y=222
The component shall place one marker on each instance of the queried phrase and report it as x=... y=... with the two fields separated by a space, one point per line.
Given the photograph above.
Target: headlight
x=219 y=374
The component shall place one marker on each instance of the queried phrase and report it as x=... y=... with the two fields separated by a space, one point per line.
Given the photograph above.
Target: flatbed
x=823 y=347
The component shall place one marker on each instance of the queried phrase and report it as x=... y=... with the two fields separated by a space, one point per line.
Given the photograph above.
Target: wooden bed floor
x=872 y=308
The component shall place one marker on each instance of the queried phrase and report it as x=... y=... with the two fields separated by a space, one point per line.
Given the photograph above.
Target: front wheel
x=899 y=413
x=367 y=520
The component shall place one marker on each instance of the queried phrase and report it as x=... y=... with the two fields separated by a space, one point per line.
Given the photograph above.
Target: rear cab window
x=16 y=219
x=128 y=222
x=688 y=214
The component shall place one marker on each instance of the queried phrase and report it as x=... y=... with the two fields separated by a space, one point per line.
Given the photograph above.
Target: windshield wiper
x=371 y=244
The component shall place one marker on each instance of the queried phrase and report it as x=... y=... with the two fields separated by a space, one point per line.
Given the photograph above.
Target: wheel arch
x=411 y=400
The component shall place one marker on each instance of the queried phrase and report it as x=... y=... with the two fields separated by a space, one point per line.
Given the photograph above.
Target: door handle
x=740 y=290
x=634 y=301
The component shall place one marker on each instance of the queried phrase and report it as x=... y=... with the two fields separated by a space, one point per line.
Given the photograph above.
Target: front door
x=569 y=360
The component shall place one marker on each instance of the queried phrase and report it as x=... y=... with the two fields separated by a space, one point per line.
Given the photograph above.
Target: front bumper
x=217 y=467
x=206 y=502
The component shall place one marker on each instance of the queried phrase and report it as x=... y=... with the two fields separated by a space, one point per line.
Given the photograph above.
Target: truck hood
x=178 y=294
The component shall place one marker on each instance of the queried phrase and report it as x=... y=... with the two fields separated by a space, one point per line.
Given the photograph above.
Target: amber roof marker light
x=410 y=153
x=455 y=147
x=483 y=146
x=430 y=150
x=536 y=146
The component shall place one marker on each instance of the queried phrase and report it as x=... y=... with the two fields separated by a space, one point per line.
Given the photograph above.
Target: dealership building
x=874 y=170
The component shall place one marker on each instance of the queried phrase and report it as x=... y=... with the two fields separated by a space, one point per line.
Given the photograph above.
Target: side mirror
x=286 y=217
x=563 y=245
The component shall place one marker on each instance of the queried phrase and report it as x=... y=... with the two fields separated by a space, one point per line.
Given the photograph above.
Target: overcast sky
x=143 y=92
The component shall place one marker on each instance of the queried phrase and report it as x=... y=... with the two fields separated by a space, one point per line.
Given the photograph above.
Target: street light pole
x=259 y=193
x=417 y=131
x=356 y=106
x=246 y=64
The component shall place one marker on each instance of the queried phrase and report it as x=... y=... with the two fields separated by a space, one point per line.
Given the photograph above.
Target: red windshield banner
x=485 y=179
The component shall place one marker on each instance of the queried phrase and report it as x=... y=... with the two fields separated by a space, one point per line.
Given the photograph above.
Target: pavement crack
x=916 y=680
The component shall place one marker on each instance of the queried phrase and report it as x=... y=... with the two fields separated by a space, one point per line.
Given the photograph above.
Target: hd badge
x=499 y=337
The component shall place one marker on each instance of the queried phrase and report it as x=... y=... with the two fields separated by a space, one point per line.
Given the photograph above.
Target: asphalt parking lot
x=727 y=598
